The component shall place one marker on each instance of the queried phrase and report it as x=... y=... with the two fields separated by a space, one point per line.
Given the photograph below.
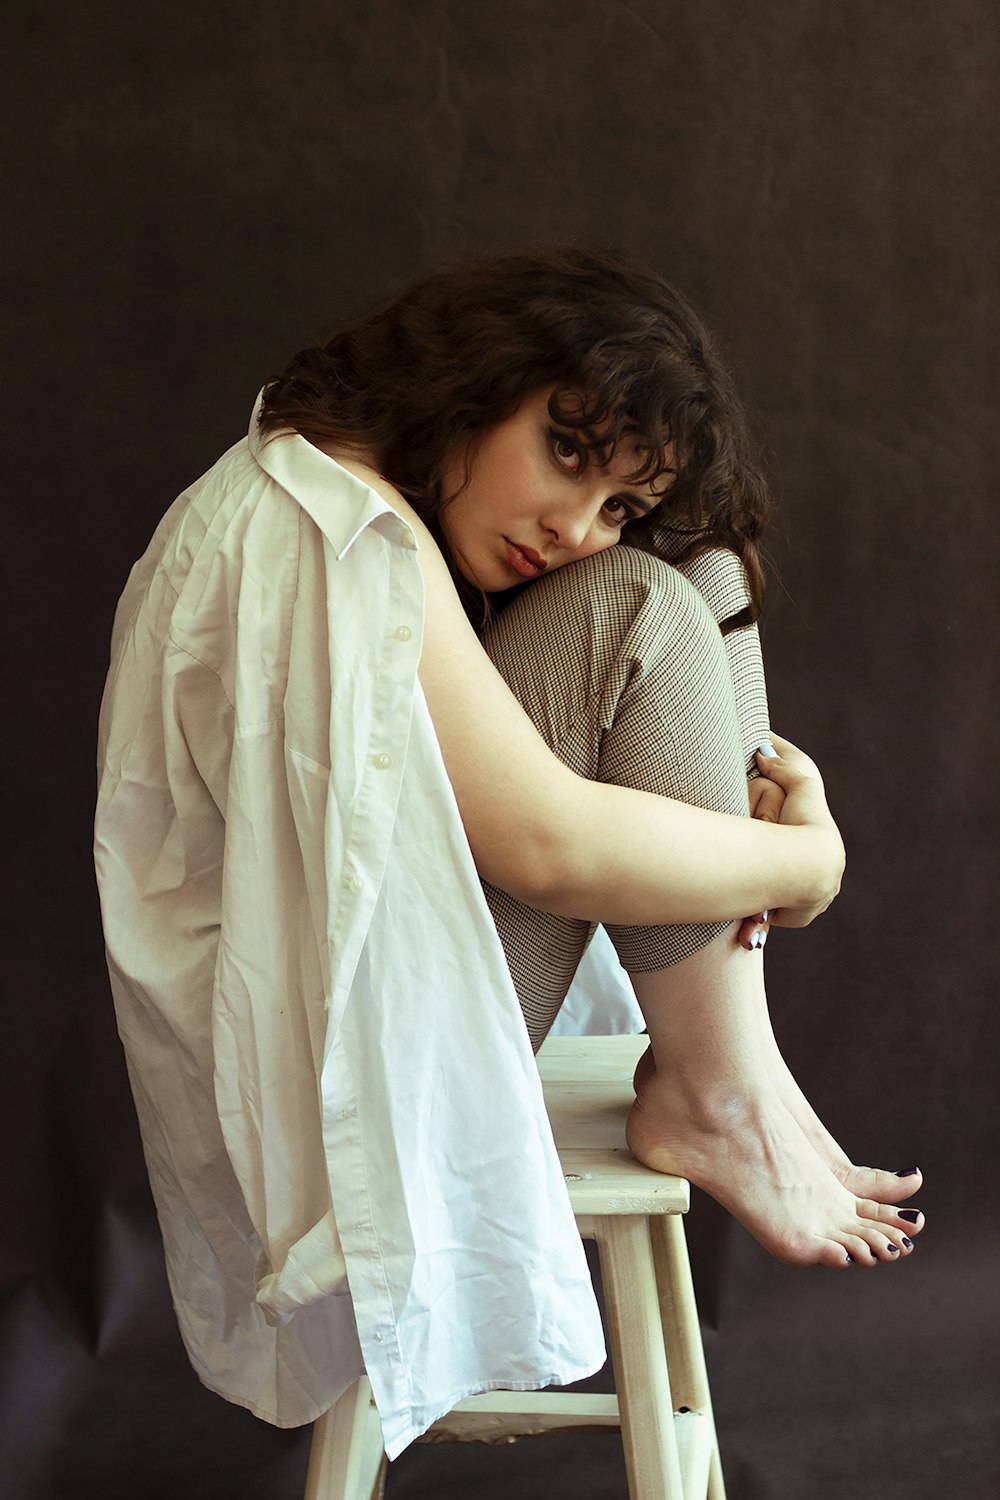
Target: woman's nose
x=569 y=524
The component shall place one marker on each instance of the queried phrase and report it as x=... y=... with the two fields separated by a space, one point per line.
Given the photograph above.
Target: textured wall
x=192 y=193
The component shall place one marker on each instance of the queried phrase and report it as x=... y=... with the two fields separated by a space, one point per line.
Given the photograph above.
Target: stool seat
x=662 y=1406
x=587 y=1083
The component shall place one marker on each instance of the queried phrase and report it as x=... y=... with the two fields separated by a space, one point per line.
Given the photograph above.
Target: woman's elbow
x=534 y=871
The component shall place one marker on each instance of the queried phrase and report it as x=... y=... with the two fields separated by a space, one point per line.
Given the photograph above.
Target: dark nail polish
x=892 y=1249
x=850 y=1259
x=911 y=1215
x=907 y=1242
x=907 y=1171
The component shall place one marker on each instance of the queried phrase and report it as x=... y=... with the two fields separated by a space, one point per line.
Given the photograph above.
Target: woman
x=566 y=403
x=331 y=1072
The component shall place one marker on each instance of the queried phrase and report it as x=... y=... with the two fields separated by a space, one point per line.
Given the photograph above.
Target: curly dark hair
x=429 y=372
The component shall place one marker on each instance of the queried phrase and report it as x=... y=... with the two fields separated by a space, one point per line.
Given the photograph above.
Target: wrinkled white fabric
x=341 y=1115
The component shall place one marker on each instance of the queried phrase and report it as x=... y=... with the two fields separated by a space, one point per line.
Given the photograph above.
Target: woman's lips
x=524 y=560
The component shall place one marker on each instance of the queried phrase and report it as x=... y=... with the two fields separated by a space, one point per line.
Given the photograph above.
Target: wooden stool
x=664 y=1410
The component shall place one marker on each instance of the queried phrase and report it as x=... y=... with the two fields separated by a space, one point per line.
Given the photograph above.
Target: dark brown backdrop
x=193 y=191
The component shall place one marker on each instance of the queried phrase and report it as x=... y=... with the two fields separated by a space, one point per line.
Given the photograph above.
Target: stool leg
x=639 y=1358
x=347 y=1460
x=682 y=1332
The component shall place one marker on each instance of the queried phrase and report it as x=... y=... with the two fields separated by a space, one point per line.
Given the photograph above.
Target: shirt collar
x=341 y=505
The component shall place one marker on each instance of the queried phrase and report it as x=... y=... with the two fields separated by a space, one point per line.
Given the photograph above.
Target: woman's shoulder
x=359 y=465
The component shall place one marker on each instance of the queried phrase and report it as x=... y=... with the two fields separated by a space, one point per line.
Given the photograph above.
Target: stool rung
x=506 y=1416
x=503 y=1416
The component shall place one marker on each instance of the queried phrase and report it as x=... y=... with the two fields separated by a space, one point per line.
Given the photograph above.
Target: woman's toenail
x=907 y=1242
x=892 y=1249
x=850 y=1259
x=911 y=1215
x=907 y=1171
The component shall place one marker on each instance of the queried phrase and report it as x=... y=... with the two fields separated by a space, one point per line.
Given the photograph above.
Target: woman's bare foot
x=864 y=1182
x=719 y=1107
x=748 y=1152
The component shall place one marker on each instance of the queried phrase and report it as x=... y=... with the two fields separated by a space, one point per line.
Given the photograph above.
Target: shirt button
x=403 y=632
x=354 y=883
x=379 y=1337
x=383 y=761
x=360 y=1225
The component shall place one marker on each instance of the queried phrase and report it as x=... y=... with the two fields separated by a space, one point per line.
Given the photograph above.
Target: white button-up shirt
x=341 y=1115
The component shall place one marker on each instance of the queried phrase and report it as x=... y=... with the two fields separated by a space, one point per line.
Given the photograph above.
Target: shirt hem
x=272 y=1418
x=396 y=1442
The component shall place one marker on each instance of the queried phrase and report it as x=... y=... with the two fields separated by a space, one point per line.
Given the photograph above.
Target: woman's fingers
x=781 y=761
x=753 y=931
x=766 y=799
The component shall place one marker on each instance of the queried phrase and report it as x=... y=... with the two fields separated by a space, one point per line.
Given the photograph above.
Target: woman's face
x=534 y=501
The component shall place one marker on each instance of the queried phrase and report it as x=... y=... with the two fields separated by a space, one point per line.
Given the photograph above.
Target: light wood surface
x=587 y=1083
x=347 y=1460
x=639 y=1359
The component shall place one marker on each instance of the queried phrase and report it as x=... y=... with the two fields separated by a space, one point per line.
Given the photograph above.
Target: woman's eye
x=618 y=511
x=567 y=452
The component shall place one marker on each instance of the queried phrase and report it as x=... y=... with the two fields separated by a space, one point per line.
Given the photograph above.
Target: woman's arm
x=587 y=849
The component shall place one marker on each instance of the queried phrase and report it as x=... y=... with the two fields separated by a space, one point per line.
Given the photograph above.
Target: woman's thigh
x=620 y=663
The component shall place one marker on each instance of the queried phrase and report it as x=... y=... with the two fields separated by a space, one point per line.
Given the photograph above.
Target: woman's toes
x=913 y=1217
x=857 y=1248
x=901 y=1184
x=838 y=1255
x=883 y=1187
x=908 y=1220
x=886 y=1243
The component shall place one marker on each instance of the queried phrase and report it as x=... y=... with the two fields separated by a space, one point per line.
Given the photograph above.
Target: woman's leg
x=718 y=577
x=622 y=668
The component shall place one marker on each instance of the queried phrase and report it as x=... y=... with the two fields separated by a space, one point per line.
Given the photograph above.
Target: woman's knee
x=621 y=665
x=671 y=723
x=618 y=599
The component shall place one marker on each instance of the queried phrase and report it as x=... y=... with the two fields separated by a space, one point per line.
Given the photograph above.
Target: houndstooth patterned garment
x=621 y=665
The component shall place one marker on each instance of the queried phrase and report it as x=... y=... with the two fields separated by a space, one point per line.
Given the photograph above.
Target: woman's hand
x=766 y=801
x=804 y=802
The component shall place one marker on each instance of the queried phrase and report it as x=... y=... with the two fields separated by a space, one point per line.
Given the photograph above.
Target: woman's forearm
x=621 y=856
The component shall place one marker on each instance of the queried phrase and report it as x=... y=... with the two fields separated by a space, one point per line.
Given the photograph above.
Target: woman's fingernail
x=907 y=1171
x=767 y=749
x=763 y=939
x=850 y=1259
x=763 y=918
x=907 y=1242
x=911 y=1215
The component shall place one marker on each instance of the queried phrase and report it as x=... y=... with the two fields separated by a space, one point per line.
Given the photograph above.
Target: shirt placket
x=395 y=656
